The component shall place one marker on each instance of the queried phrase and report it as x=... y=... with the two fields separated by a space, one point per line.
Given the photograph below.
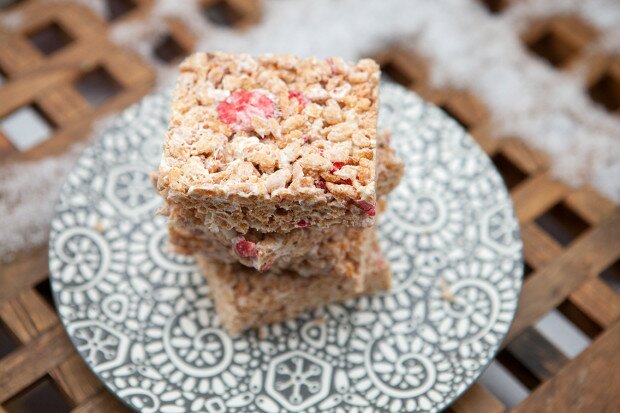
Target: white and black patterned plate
x=143 y=321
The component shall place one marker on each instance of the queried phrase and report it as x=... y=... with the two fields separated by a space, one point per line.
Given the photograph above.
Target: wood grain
x=586 y=257
x=589 y=384
x=32 y=361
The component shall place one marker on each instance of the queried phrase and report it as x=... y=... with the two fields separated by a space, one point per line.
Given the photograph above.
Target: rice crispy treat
x=270 y=141
x=245 y=298
x=262 y=250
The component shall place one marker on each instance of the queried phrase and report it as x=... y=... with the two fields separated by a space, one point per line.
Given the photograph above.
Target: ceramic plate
x=143 y=320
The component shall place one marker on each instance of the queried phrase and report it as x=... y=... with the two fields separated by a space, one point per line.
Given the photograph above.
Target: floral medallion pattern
x=142 y=318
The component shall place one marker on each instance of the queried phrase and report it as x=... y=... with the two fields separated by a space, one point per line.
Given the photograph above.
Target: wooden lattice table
x=571 y=236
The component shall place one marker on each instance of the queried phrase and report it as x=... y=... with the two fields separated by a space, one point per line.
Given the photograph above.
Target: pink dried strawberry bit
x=320 y=183
x=246 y=248
x=266 y=266
x=367 y=207
x=301 y=99
x=303 y=223
x=336 y=166
x=238 y=108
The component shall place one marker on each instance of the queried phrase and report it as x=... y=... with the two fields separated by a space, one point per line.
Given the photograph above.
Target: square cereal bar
x=389 y=171
x=262 y=250
x=270 y=141
x=245 y=298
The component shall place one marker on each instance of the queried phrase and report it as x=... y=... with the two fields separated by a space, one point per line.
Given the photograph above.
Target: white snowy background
x=467 y=48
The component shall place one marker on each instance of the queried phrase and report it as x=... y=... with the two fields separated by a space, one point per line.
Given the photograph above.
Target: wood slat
x=528 y=160
x=483 y=136
x=598 y=301
x=24 y=90
x=30 y=362
x=27 y=315
x=586 y=257
x=536 y=354
x=27 y=269
x=588 y=384
x=75 y=379
x=467 y=108
x=589 y=204
x=538 y=247
x=102 y=402
x=477 y=399
x=536 y=195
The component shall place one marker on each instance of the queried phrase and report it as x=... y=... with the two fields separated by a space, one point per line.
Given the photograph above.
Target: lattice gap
x=8 y=342
x=221 y=13
x=527 y=270
x=495 y=6
x=3 y=77
x=50 y=38
x=552 y=46
x=118 y=8
x=168 y=50
x=611 y=275
x=499 y=381
x=8 y=4
x=98 y=86
x=41 y=396
x=606 y=90
x=26 y=127
x=510 y=172
x=577 y=317
x=562 y=223
x=45 y=290
x=563 y=333
x=394 y=73
x=459 y=119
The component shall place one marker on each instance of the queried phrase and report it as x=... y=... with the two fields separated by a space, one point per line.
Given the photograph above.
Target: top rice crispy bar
x=267 y=142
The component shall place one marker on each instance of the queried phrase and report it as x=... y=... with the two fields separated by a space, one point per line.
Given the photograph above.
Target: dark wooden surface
x=571 y=236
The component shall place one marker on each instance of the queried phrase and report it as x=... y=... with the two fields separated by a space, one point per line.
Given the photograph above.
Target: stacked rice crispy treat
x=273 y=174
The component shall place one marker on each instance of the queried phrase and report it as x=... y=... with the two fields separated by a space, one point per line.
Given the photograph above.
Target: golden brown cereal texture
x=273 y=250
x=257 y=142
x=245 y=298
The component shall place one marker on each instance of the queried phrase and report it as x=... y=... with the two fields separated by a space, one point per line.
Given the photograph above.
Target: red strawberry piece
x=345 y=182
x=246 y=248
x=336 y=166
x=367 y=207
x=320 y=183
x=302 y=223
x=238 y=108
x=301 y=99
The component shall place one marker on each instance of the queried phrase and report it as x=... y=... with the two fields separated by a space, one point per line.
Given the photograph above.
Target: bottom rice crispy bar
x=245 y=298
